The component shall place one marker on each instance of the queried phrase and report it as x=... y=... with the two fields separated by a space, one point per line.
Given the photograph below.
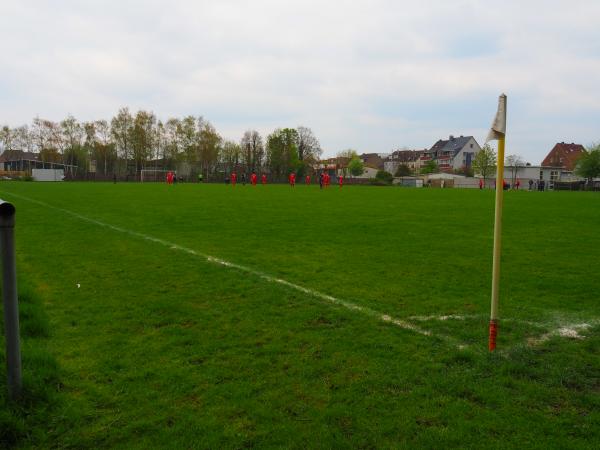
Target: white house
x=452 y=154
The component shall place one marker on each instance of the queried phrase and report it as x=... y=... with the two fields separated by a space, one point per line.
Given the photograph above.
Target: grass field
x=353 y=317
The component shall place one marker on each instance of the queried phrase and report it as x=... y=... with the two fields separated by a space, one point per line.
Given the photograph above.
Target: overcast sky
x=369 y=75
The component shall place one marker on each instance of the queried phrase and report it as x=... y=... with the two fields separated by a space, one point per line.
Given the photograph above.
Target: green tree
x=403 y=171
x=348 y=153
x=588 y=165
x=384 y=177
x=356 y=166
x=50 y=155
x=484 y=163
x=467 y=171
x=7 y=138
x=430 y=167
x=282 y=152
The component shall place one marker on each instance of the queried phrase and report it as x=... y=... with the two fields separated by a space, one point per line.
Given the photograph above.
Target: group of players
x=324 y=179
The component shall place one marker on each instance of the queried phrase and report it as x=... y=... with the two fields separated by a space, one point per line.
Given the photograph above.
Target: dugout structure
x=154 y=175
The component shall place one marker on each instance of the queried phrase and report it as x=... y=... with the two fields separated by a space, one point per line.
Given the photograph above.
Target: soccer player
x=292 y=179
x=253 y=178
x=263 y=179
x=341 y=180
x=480 y=183
x=233 y=178
x=321 y=176
x=327 y=179
x=307 y=180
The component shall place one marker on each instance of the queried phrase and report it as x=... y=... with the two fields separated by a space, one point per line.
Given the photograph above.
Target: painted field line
x=561 y=327
x=311 y=292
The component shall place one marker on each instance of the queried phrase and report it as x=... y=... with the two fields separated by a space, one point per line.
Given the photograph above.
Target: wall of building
x=459 y=159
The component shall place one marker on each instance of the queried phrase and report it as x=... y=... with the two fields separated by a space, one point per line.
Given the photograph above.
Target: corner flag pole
x=498 y=132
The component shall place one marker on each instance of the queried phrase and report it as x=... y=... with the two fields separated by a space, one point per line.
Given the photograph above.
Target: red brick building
x=564 y=155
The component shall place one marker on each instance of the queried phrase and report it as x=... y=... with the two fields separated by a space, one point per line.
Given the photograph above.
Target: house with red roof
x=564 y=155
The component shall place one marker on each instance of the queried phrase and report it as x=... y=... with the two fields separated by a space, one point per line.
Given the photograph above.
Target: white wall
x=457 y=162
x=368 y=173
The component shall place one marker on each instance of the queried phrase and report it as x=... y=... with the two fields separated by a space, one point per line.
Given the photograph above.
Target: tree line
x=129 y=143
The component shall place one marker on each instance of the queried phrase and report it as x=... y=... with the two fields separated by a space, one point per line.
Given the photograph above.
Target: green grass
x=160 y=348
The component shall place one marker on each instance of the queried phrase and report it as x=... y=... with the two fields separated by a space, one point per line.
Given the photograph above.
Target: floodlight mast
x=9 y=297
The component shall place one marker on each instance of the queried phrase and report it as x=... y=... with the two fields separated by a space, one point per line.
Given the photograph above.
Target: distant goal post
x=154 y=175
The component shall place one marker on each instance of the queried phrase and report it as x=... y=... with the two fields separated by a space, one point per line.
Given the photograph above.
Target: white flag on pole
x=498 y=128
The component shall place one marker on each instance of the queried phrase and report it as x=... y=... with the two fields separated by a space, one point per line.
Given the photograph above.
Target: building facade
x=453 y=154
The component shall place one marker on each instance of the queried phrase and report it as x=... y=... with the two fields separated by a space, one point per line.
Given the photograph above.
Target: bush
x=384 y=177
x=403 y=171
x=377 y=182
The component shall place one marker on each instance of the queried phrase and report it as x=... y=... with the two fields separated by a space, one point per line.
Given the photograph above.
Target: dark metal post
x=9 y=296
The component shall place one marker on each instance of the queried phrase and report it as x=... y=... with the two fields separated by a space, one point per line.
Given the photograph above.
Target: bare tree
x=188 y=138
x=230 y=155
x=39 y=134
x=515 y=162
x=308 y=144
x=209 y=145
x=253 y=150
x=142 y=138
x=172 y=147
x=104 y=148
x=68 y=137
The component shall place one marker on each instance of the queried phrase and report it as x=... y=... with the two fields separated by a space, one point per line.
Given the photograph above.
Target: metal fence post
x=9 y=297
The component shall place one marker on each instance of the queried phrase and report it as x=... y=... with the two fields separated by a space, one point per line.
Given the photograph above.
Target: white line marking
x=570 y=331
x=311 y=292
x=441 y=318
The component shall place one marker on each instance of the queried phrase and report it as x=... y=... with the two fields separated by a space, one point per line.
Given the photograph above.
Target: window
x=471 y=145
x=554 y=175
x=541 y=174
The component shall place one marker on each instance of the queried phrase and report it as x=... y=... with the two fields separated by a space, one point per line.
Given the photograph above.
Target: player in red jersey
x=341 y=181
x=233 y=178
x=263 y=179
x=292 y=179
x=307 y=179
x=253 y=179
